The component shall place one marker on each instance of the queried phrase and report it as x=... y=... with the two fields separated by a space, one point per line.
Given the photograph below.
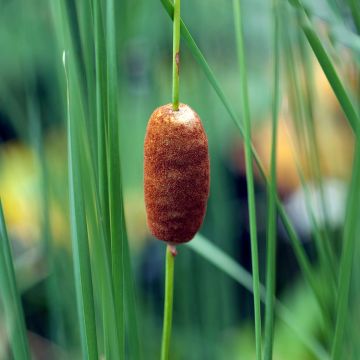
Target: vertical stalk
x=79 y=230
x=355 y=12
x=350 y=237
x=299 y=251
x=271 y=226
x=176 y=55
x=249 y=173
x=10 y=298
x=116 y=213
x=171 y=250
x=314 y=154
x=168 y=304
x=331 y=74
x=302 y=134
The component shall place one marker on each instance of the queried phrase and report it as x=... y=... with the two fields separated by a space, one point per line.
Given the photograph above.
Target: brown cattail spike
x=176 y=173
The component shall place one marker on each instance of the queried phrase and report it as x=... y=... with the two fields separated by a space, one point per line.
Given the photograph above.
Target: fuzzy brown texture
x=176 y=173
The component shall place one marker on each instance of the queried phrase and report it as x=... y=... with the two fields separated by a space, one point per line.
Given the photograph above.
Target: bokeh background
x=213 y=315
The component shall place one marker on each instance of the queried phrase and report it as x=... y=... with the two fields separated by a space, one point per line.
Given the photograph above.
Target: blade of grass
x=66 y=40
x=332 y=76
x=84 y=12
x=300 y=254
x=346 y=260
x=101 y=113
x=327 y=292
x=56 y=323
x=272 y=190
x=328 y=68
x=249 y=170
x=101 y=256
x=304 y=144
x=205 y=248
x=62 y=261
x=79 y=233
x=314 y=146
x=114 y=170
x=14 y=317
x=355 y=12
x=97 y=192
x=130 y=302
x=101 y=131
x=121 y=260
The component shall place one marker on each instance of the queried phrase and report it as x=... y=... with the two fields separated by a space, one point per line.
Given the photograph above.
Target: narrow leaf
x=14 y=317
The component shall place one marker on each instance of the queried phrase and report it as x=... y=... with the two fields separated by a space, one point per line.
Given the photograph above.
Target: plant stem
x=249 y=173
x=299 y=251
x=271 y=233
x=176 y=56
x=168 y=305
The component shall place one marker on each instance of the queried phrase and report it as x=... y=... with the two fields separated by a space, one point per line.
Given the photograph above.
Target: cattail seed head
x=176 y=173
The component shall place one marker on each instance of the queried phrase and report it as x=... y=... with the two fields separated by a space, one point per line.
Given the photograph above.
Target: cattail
x=176 y=173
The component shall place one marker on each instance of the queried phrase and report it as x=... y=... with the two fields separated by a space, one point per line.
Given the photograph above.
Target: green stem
x=168 y=305
x=249 y=173
x=271 y=243
x=299 y=251
x=176 y=55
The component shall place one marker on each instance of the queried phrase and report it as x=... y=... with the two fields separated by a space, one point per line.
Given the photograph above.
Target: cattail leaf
x=9 y=296
x=206 y=249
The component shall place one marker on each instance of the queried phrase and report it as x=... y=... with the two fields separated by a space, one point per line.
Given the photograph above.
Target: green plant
x=113 y=74
x=13 y=311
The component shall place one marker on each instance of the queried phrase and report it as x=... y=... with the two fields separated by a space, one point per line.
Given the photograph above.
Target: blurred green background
x=213 y=315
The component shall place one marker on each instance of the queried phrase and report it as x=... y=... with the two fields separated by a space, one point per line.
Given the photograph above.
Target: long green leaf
x=314 y=152
x=350 y=236
x=272 y=190
x=249 y=170
x=355 y=11
x=302 y=120
x=328 y=68
x=203 y=247
x=101 y=113
x=130 y=303
x=101 y=200
x=9 y=295
x=79 y=233
x=332 y=76
x=115 y=182
x=101 y=255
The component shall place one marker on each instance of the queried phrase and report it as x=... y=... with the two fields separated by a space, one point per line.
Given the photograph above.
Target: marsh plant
x=108 y=69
